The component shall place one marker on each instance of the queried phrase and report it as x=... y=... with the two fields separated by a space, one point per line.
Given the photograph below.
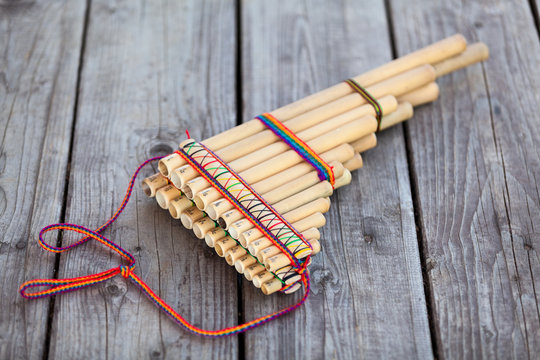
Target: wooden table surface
x=431 y=252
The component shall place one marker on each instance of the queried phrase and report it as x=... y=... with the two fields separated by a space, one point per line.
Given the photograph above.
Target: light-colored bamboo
x=403 y=112
x=397 y=85
x=317 y=191
x=203 y=226
x=316 y=220
x=224 y=244
x=276 y=195
x=153 y=183
x=474 y=53
x=365 y=143
x=178 y=205
x=190 y=216
x=214 y=235
x=340 y=154
x=431 y=54
x=242 y=263
x=355 y=163
x=321 y=205
x=166 y=194
x=421 y=96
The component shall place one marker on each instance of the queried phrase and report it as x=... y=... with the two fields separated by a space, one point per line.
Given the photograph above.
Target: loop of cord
x=58 y=286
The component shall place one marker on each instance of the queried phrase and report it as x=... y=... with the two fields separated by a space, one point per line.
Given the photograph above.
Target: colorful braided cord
x=57 y=286
x=323 y=169
x=369 y=98
x=246 y=200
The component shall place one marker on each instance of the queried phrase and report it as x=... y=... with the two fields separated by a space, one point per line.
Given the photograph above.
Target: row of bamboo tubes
x=336 y=123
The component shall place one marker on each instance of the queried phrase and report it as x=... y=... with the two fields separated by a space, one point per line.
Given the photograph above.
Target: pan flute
x=259 y=198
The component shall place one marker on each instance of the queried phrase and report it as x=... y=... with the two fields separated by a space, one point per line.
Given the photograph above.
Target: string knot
x=125 y=271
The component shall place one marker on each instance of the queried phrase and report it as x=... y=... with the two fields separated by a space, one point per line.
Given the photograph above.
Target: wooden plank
x=368 y=297
x=151 y=70
x=40 y=43
x=477 y=167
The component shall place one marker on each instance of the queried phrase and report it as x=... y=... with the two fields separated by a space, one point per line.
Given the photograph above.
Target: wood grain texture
x=367 y=294
x=476 y=166
x=40 y=44
x=150 y=70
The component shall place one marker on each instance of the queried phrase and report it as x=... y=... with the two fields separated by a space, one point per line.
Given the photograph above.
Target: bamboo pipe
x=340 y=154
x=238 y=252
x=421 y=96
x=190 y=216
x=214 y=235
x=153 y=183
x=240 y=155
x=476 y=52
x=431 y=54
x=166 y=194
x=178 y=205
x=365 y=143
x=320 y=190
x=398 y=85
x=245 y=231
x=388 y=104
x=355 y=163
x=242 y=263
x=417 y=97
x=403 y=112
x=316 y=220
x=278 y=194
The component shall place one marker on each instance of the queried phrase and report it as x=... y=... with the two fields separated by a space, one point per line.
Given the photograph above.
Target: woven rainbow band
x=369 y=98
x=58 y=286
x=246 y=200
x=323 y=169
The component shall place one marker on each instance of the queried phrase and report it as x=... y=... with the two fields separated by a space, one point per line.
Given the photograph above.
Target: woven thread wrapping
x=249 y=203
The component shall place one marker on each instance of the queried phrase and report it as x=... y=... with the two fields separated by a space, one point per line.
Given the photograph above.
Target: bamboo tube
x=442 y=54
x=278 y=194
x=355 y=163
x=341 y=154
x=224 y=244
x=166 y=194
x=234 y=254
x=317 y=191
x=398 y=85
x=190 y=216
x=252 y=270
x=242 y=263
x=321 y=205
x=345 y=134
x=316 y=220
x=178 y=205
x=202 y=226
x=431 y=54
x=421 y=96
x=153 y=183
x=403 y=112
x=387 y=103
x=474 y=53
x=214 y=235
x=365 y=143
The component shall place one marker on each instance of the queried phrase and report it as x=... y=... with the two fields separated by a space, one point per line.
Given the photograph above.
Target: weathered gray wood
x=477 y=166
x=40 y=44
x=368 y=298
x=151 y=70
